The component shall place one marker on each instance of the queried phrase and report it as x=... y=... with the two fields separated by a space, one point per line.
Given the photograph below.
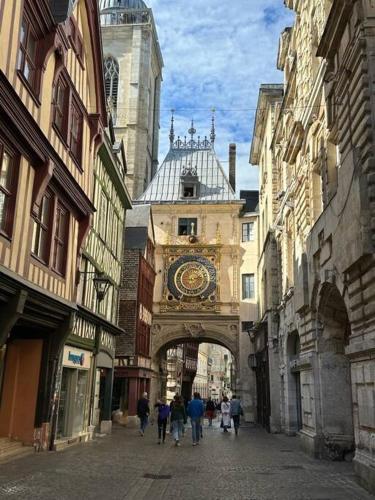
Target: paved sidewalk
x=253 y=466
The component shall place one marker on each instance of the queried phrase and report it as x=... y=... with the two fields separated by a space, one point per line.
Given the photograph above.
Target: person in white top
x=225 y=414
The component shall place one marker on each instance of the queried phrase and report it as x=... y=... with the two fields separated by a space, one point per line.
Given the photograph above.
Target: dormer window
x=189 y=192
x=189 y=183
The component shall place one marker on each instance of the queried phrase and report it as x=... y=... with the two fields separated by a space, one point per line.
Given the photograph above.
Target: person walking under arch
x=143 y=411
x=210 y=411
x=195 y=411
x=163 y=414
x=178 y=419
x=225 y=414
x=235 y=412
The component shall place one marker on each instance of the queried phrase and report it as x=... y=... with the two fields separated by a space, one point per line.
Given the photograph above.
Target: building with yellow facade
x=52 y=114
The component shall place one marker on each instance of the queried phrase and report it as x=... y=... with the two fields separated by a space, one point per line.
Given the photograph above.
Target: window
x=7 y=190
x=27 y=52
x=61 y=99
x=103 y=215
x=60 y=239
x=246 y=325
x=76 y=39
x=111 y=75
x=42 y=228
x=187 y=227
x=68 y=117
x=248 y=286
x=248 y=231
x=75 y=140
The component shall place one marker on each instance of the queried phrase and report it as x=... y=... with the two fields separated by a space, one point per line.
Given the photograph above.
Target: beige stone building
x=133 y=74
x=319 y=232
x=201 y=380
x=198 y=255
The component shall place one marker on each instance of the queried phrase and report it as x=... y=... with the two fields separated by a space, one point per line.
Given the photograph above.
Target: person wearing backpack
x=163 y=414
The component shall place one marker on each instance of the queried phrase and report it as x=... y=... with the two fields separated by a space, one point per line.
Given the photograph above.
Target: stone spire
x=213 y=133
x=171 y=133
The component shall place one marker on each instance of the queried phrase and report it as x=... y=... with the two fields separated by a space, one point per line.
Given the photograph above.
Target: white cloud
x=216 y=54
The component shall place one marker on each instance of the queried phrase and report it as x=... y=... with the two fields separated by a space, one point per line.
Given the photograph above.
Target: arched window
x=111 y=74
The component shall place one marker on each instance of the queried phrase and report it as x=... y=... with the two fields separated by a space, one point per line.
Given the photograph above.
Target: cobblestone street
x=254 y=466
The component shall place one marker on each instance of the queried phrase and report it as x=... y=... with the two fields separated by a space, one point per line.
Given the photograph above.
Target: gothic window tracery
x=111 y=77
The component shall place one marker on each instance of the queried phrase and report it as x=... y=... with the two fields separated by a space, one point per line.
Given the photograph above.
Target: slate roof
x=214 y=186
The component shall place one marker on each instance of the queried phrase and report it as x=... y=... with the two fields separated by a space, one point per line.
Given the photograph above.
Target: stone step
x=10 y=450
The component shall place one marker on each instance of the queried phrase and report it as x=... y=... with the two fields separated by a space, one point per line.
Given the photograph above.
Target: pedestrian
x=195 y=412
x=225 y=414
x=235 y=412
x=210 y=411
x=163 y=414
x=143 y=411
x=178 y=419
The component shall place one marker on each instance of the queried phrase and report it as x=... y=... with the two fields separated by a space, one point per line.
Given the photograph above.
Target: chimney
x=232 y=166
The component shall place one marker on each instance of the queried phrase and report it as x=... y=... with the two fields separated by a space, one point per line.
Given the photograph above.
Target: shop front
x=130 y=383
x=74 y=398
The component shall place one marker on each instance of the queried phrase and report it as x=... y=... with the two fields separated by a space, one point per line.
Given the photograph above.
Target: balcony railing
x=112 y=17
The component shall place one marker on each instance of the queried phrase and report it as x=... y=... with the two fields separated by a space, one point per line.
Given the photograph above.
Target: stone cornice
x=335 y=27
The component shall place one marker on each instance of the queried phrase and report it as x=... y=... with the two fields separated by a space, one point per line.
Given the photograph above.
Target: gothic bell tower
x=133 y=73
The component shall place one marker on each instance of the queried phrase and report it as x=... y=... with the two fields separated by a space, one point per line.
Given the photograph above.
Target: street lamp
x=101 y=285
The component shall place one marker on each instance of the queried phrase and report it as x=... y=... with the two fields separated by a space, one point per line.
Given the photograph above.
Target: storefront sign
x=76 y=358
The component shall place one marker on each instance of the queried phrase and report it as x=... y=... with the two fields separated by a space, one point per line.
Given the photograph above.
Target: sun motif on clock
x=192 y=277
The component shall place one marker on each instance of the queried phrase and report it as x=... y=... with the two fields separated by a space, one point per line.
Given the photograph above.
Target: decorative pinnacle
x=192 y=130
x=213 y=133
x=171 y=133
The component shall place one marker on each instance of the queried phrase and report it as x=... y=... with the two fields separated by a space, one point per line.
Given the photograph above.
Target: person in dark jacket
x=143 y=411
x=210 y=410
x=163 y=414
x=178 y=419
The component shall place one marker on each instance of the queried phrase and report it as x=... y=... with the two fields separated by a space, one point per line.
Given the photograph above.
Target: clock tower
x=198 y=255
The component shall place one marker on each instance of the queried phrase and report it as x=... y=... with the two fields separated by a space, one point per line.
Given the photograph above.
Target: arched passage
x=334 y=371
x=189 y=369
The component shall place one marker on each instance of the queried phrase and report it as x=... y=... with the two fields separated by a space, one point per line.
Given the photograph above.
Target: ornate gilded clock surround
x=191 y=280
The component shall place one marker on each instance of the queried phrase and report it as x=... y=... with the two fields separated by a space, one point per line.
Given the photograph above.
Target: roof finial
x=213 y=133
x=171 y=133
x=192 y=131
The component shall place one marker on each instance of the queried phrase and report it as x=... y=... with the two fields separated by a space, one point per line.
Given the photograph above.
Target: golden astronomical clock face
x=192 y=279
x=192 y=276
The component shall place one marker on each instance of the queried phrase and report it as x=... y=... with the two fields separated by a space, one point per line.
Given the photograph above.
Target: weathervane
x=192 y=131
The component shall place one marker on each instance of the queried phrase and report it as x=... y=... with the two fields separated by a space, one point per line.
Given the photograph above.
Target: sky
x=216 y=55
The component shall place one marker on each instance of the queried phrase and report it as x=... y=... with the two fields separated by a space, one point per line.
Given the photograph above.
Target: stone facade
x=320 y=164
x=133 y=85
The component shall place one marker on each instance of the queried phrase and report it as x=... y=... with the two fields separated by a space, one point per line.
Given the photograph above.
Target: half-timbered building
x=52 y=112
x=86 y=371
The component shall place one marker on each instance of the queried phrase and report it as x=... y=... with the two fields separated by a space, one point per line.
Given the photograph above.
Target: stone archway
x=167 y=331
x=336 y=409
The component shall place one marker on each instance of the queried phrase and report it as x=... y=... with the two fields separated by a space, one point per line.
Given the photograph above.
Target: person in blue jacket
x=195 y=411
